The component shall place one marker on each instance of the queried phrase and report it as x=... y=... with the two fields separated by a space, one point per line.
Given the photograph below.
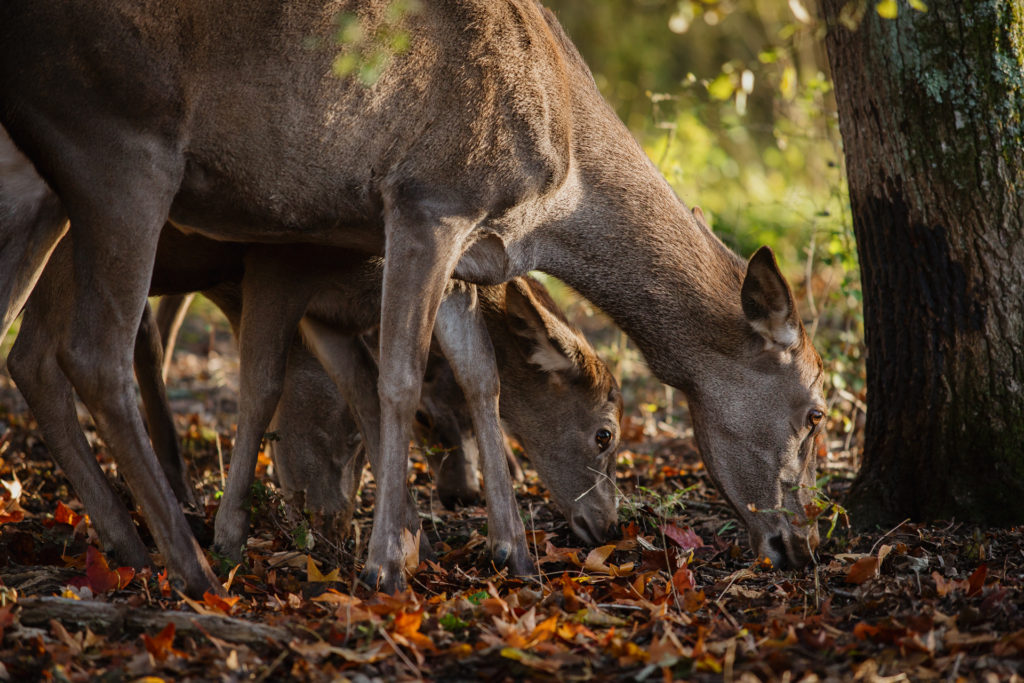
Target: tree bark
x=930 y=110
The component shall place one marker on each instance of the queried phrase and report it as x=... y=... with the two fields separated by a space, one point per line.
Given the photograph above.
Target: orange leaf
x=101 y=578
x=683 y=580
x=161 y=644
x=864 y=630
x=165 y=585
x=66 y=515
x=12 y=516
x=862 y=570
x=977 y=580
x=219 y=604
x=544 y=630
x=408 y=623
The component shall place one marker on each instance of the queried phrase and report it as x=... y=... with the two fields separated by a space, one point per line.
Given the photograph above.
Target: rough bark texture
x=930 y=109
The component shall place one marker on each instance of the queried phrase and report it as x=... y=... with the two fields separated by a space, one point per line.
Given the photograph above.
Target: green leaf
x=721 y=88
x=888 y=9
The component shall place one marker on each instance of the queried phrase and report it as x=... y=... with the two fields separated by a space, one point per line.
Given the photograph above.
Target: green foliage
x=733 y=102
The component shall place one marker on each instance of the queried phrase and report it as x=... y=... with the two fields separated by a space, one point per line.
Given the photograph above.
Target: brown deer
x=558 y=398
x=482 y=151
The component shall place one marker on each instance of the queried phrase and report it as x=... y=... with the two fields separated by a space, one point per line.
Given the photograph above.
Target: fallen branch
x=104 y=615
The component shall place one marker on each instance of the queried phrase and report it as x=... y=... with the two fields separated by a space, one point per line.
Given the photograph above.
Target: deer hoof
x=376 y=578
x=517 y=559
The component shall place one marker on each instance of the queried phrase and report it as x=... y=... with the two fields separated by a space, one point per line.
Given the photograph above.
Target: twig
x=882 y=537
x=37 y=611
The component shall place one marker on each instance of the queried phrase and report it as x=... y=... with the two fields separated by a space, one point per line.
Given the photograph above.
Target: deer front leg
x=421 y=251
x=270 y=317
x=149 y=356
x=463 y=337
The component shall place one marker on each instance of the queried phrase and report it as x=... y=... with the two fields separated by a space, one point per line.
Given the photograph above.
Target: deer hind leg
x=273 y=302
x=464 y=339
x=46 y=389
x=456 y=463
x=149 y=356
x=170 y=314
x=355 y=373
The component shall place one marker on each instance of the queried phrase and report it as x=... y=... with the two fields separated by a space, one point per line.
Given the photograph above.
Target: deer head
x=562 y=404
x=762 y=458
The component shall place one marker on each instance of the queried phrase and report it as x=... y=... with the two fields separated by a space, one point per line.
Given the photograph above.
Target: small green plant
x=302 y=536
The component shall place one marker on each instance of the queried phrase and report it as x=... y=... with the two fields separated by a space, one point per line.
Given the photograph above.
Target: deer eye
x=603 y=438
x=814 y=416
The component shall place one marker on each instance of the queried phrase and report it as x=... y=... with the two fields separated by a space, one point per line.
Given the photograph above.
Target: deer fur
x=482 y=151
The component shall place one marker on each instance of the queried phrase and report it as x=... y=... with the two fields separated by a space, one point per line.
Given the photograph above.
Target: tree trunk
x=930 y=109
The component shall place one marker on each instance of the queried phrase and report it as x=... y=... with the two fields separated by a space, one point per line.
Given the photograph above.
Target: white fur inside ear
x=777 y=332
x=549 y=359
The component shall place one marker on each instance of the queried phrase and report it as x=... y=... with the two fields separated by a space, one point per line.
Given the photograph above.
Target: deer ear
x=544 y=339
x=768 y=302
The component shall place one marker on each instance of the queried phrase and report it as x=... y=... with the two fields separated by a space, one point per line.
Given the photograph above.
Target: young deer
x=483 y=151
x=557 y=397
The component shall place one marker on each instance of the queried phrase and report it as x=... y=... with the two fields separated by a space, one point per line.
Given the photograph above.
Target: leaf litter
x=680 y=596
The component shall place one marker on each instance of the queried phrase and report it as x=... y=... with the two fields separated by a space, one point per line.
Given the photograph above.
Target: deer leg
x=170 y=314
x=41 y=381
x=421 y=251
x=270 y=317
x=355 y=373
x=117 y=222
x=149 y=354
x=464 y=339
x=455 y=464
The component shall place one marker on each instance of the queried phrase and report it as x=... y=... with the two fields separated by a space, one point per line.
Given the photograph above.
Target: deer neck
x=637 y=252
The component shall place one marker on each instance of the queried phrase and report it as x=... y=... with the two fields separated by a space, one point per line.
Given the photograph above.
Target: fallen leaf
x=218 y=604
x=977 y=580
x=101 y=578
x=313 y=574
x=411 y=551
x=862 y=570
x=66 y=515
x=687 y=539
x=161 y=645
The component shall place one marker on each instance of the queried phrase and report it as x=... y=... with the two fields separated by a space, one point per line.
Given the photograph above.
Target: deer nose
x=593 y=531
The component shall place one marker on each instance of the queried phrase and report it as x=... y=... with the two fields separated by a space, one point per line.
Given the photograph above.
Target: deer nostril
x=777 y=552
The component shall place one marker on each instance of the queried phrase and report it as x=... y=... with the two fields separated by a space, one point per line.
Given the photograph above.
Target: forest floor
x=681 y=596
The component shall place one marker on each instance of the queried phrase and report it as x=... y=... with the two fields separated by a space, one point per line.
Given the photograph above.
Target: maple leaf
x=100 y=577
x=687 y=539
x=313 y=574
x=218 y=604
x=161 y=645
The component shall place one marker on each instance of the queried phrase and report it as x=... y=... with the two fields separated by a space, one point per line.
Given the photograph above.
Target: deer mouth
x=592 y=532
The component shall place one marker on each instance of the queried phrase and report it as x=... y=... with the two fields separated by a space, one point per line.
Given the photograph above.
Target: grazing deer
x=482 y=151
x=558 y=398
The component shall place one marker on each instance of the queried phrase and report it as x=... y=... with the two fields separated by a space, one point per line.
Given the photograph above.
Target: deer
x=482 y=151
x=540 y=356
x=572 y=440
